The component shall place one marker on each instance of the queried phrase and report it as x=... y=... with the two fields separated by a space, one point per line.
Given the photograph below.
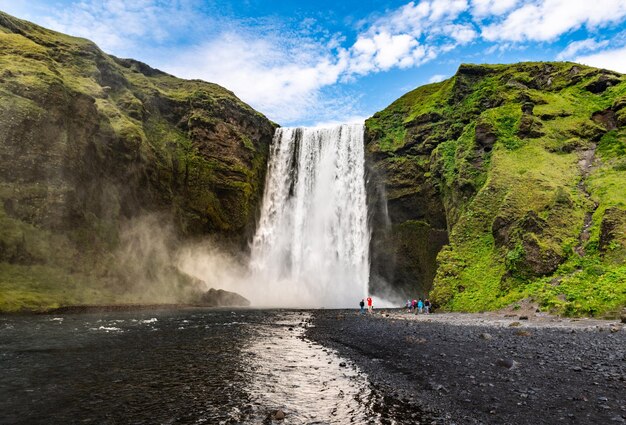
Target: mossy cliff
x=506 y=182
x=89 y=142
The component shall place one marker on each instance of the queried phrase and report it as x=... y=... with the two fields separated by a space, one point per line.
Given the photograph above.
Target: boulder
x=602 y=83
x=612 y=227
x=222 y=298
x=485 y=136
x=605 y=118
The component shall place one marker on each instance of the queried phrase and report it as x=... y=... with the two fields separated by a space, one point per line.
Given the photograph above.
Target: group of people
x=413 y=306
x=418 y=306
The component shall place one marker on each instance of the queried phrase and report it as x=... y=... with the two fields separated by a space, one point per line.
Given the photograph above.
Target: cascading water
x=311 y=247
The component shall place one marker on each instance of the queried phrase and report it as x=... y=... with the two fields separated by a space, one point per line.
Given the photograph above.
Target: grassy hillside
x=89 y=143
x=527 y=163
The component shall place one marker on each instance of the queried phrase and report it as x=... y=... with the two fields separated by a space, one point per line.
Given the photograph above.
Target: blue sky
x=322 y=62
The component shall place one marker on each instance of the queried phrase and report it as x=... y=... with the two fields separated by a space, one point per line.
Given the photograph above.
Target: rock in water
x=221 y=298
x=277 y=415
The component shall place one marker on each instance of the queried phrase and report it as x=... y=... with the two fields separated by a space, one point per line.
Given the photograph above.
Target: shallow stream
x=191 y=366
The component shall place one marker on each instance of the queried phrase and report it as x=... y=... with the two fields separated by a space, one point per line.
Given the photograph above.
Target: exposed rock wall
x=511 y=174
x=89 y=141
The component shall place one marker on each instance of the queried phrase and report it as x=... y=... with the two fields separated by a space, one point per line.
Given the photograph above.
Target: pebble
x=506 y=363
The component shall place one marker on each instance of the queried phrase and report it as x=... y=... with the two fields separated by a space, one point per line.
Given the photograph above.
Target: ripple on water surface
x=194 y=366
x=308 y=382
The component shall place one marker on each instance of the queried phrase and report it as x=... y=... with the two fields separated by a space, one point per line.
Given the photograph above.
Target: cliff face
x=506 y=182
x=89 y=142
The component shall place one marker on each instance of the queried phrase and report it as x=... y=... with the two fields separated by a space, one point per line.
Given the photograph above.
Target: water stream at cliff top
x=311 y=247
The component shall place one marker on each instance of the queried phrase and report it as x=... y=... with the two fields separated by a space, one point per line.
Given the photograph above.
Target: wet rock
x=222 y=298
x=278 y=415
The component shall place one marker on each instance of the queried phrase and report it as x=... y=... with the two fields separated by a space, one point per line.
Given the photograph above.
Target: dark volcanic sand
x=561 y=373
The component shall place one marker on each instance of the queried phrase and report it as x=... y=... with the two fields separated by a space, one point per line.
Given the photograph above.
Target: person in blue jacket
x=420 y=306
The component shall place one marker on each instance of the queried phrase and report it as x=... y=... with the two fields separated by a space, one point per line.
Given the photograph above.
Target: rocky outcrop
x=500 y=169
x=89 y=142
x=221 y=298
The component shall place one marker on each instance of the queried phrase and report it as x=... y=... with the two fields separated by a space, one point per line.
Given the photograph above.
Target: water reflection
x=308 y=382
x=185 y=367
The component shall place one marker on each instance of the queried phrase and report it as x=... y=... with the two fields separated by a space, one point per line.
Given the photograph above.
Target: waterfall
x=311 y=247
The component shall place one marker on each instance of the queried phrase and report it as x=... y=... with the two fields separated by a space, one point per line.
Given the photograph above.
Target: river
x=175 y=367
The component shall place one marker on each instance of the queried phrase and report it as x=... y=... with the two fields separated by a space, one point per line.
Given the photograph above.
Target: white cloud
x=281 y=80
x=291 y=71
x=118 y=25
x=614 y=59
x=461 y=33
x=577 y=47
x=349 y=119
x=437 y=78
x=410 y=36
x=484 y=8
x=546 y=20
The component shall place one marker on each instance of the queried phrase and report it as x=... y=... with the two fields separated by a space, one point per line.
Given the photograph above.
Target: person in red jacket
x=369 y=304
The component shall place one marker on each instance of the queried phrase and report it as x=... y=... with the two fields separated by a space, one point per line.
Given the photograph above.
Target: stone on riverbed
x=506 y=363
x=276 y=415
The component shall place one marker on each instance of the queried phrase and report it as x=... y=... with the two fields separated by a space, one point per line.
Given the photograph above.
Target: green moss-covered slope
x=88 y=142
x=524 y=168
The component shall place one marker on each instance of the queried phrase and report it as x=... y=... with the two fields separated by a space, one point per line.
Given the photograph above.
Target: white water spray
x=311 y=247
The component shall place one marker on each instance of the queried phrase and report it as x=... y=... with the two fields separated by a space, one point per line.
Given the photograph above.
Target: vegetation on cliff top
x=89 y=142
x=528 y=161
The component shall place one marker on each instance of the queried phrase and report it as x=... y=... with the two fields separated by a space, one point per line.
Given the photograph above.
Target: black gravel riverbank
x=468 y=373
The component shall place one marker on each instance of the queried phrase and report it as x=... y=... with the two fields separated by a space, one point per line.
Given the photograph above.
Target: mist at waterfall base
x=311 y=247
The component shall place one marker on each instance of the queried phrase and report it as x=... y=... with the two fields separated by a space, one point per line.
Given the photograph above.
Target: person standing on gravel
x=427 y=306
x=420 y=306
x=369 y=304
x=362 y=305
